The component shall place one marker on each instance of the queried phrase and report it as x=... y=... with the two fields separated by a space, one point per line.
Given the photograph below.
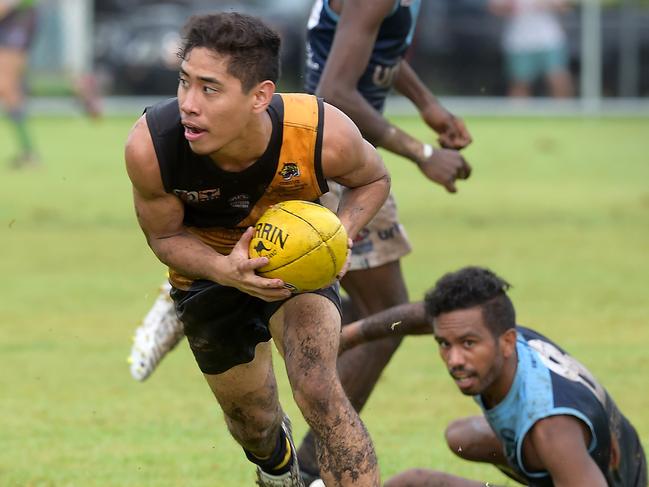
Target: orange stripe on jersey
x=296 y=178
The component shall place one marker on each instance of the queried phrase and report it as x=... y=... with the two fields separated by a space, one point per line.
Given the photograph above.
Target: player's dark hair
x=469 y=287
x=252 y=46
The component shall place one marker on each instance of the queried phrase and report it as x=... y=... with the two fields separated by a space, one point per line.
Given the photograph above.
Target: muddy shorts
x=224 y=325
x=17 y=29
x=383 y=240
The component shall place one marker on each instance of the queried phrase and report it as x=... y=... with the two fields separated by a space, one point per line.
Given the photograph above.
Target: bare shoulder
x=347 y=157
x=341 y=137
x=141 y=160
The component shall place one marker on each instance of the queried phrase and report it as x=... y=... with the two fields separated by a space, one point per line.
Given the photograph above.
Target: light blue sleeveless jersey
x=550 y=382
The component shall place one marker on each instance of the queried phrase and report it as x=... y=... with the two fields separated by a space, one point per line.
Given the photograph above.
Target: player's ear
x=508 y=342
x=263 y=95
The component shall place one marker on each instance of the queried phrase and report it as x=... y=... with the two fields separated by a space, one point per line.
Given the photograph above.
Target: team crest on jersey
x=198 y=196
x=289 y=171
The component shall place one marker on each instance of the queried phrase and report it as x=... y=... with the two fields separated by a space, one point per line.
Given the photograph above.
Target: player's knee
x=312 y=395
x=456 y=436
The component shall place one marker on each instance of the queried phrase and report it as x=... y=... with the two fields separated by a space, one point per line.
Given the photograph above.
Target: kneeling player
x=546 y=421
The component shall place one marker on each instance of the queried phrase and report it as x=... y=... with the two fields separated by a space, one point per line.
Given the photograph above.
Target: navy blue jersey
x=550 y=382
x=393 y=39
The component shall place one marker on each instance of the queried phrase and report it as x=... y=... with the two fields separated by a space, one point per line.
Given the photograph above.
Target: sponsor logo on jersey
x=289 y=171
x=198 y=196
x=240 y=201
x=383 y=76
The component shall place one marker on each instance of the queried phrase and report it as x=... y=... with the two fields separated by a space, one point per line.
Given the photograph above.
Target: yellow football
x=305 y=243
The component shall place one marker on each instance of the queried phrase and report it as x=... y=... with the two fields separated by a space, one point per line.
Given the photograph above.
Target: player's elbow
x=381 y=186
x=335 y=94
x=386 y=181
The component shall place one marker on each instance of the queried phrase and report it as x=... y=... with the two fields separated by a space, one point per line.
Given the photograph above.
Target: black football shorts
x=224 y=325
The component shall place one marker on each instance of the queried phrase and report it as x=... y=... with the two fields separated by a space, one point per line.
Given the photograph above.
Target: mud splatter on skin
x=343 y=446
x=307 y=346
x=311 y=354
x=254 y=418
x=352 y=459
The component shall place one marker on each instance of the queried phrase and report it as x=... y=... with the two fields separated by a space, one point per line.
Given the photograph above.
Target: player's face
x=213 y=107
x=469 y=350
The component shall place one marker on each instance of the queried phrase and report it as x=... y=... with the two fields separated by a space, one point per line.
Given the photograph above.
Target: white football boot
x=159 y=333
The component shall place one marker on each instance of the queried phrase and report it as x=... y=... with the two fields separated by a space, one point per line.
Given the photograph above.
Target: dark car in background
x=136 y=44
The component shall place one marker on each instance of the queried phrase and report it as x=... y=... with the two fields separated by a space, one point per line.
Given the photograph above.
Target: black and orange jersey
x=220 y=205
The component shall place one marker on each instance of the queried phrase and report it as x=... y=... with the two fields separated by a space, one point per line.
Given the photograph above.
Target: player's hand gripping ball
x=305 y=243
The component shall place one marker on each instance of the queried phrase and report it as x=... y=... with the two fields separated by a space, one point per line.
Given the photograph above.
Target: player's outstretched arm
x=351 y=161
x=560 y=444
x=401 y=320
x=160 y=216
x=348 y=58
x=356 y=33
x=452 y=131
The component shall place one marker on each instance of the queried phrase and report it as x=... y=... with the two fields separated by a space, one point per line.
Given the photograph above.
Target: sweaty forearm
x=189 y=256
x=374 y=127
x=399 y=142
x=409 y=85
x=350 y=101
x=359 y=205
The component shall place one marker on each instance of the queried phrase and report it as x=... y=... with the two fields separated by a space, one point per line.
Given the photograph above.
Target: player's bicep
x=367 y=169
x=159 y=213
x=561 y=444
x=160 y=216
x=347 y=158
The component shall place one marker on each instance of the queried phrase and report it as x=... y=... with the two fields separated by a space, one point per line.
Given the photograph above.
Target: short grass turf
x=559 y=207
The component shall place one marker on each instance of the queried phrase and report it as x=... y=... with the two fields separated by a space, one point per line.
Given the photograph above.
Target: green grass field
x=560 y=207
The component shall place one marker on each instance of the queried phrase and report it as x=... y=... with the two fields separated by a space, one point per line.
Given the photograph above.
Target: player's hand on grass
x=452 y=131
x=240 y=269
x=444 y=167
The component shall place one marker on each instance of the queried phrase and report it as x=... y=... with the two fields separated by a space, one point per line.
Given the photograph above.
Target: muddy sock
x=279 y=461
